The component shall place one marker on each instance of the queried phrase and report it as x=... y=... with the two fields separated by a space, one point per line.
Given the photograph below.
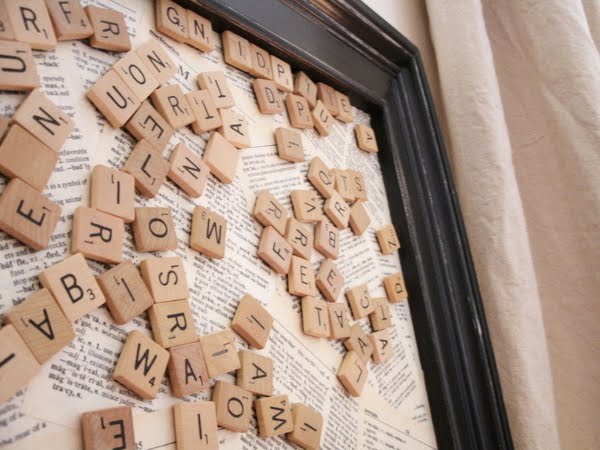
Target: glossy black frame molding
x=345 y=44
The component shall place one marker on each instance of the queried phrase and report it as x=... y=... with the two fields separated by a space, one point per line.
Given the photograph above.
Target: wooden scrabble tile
x=270 y=212
x=69 y=19
x=166 y=279
x=18 y=71
x=282 y=74
x=112 y=192
x=110 y=30
x=136 y=75
x=127 y=296
x=343 y=185
x=187 y=369
x=236 y=51
x=31 y=23
x=307 y=206
x=380 y=317
x=141 y=365
x=274 y=250
x=395 y=288
x=308 y=426
x=322 y=118
x=4 y=126
x=171 y=20
x=329 y=280
x=172 y=323
x=301 y=278
x=315 y=317
x=388 y=240
x=357 y=185
x=337 y=210
x=73 y=285
x=274 y=415
x=299 y=112
x=188 y=171
x=217 y=85
x=353 y=374
x=300 y=237
x=220 y=353
x=157 y=60
x=108 y=428
x=326 y=94
x=6 y=30
x=113 y=98
x=360 y=301
x=221 y=158
x=359 y=219
x=345 y=113
x=268 y=97
x=382 y=346
x=25 y=157
x=234 y=128
x=18 y=365
x=27 y=215
x=365 y=138
x=233 y=405
x=289 y=144
x=172 y=104
x=200 y=32
x=41 y=324
x=154 y=230
x=196 y=426
x=147 y=123
x=44 y=120
x=252 y=322
x=321 y=177
x=255 y=373
x=261 y=63
x=327 y=239
x=209 y=233
x=339 y=320
x=359 y=342
x=97 y=235
x=148 y=167
x=206 y=114
x=305 y=87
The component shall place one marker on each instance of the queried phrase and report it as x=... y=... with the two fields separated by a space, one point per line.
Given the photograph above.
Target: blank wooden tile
x=187 y=369
x=322 y=119
x=110 y=30
x=274 y=416
x=218 y=86
x=380 y=317
x=236 y=51
x=345 y=113
x=274 y=250
x=234 y=128
x=344 y=185
x=289 y=144
x=282 y=74
x=301 y=278
x=112 y=192
x=326 y=94
x=148 y=167
x=252 y=322
x=127 y=296
x=382 y=346
x=73 y=285
x=27 y=215
x=4 y=126
x=221 y=158
x=209 y=233
x=261 y=63
x=359 y=342
x=44 y=120
x=206 y=114
x=157 y=60
x=360 y=301
x=300 y=237
x=365 y=138
x=270 y=212
x=108 y=428
x=339 y=320
x=305 y=87
x=337 y=210
x=353 y=374
x=395 y=288
x=388 y=240
x=18 y=71
x=172 y=323
x=327 y=239
x=69 y=19
x=31 y=23
x=329 y=280
x=25 y=157
x=220 y=353
x=255 y=373
x=357 y=185
x=141 y=365
x=200 y=32
x=147 y=123
x=171 y=20
x=97 y=235
x=136 y=75
x=321 y=177
x=315 y=317
x=166 y=279
x=18 y=365
x=307 y=205
x=196 y=426
x=113 y=98
x=172 y=104
x=188 y=171
x=154 y=230
x=233 y=405
x=359 y=218
x=298 y=110
x=268 y=98
x=308 y=426
x=41 y=324
x=6 y=30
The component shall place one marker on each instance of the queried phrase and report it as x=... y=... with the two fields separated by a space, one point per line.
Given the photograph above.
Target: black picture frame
x=345 y=44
